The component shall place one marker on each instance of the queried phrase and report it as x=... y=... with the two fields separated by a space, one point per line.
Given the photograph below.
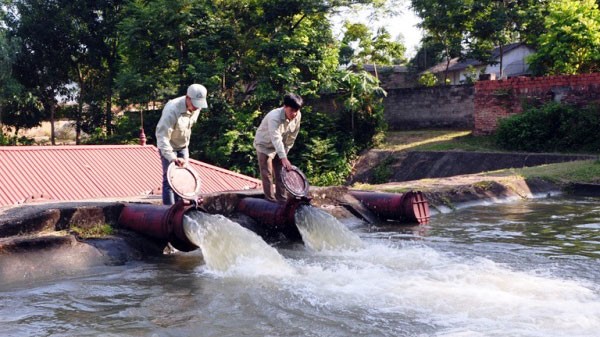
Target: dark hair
x=293 y=101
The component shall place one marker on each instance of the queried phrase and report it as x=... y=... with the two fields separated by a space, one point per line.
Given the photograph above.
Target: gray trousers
x=269 y=169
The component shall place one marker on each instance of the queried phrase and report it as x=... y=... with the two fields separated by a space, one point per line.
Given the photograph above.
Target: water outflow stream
x=321 y=231
x=520 y=269
x=226 y=245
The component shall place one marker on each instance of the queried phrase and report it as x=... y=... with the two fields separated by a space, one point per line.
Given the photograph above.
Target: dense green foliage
x=428 y=79
x=445 y=23
x=369 y=49
x=472 y=29
x=136 y=53
x=552 y=127
x=570 y=43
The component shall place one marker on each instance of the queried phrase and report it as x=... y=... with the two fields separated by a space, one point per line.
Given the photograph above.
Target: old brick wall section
x=498 y=99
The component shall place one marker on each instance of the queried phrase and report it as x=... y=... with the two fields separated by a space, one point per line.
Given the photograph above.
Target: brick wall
x=499 y=99
x=436 y=107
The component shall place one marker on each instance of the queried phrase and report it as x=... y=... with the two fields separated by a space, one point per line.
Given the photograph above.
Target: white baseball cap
x=197 y=93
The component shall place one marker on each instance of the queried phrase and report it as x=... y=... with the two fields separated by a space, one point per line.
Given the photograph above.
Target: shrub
x=551 y=127
x=428 y=80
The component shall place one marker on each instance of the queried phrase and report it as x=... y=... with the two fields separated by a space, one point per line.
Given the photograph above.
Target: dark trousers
x=168 y=197
x=271 y=168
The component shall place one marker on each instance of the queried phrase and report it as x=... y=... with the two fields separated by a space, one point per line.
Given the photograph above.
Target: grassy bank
x=587 y=171
x=582 y=171
x=437 y=140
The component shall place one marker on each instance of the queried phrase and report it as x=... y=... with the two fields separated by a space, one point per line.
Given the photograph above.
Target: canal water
x=521 y=268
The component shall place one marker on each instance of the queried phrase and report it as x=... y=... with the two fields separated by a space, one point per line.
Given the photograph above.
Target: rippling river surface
x=526 y=268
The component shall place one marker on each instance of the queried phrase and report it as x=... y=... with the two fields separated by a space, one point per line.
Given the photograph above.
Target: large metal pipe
x=159 y=222
x=407 y=207
x=278 y=217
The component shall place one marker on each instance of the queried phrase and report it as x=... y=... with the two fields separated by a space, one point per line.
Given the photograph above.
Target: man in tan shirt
x=174 y=130
x=274 y=138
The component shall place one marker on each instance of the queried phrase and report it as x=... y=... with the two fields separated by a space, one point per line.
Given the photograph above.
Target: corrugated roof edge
x=228 y=172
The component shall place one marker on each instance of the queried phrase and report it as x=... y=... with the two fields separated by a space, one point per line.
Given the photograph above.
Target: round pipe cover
x=184 y=181
x=295 y=182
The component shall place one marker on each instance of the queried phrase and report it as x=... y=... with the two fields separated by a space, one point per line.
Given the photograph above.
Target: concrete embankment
x=416 y=165
x=45 y=226
x=48 y=239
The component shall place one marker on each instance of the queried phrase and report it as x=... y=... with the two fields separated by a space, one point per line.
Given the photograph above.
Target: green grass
x=582 y=171
x=92 y=232
x=437 y=140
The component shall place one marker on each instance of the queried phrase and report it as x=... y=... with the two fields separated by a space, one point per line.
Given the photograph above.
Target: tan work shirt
x=174 y=128
x=276 y=134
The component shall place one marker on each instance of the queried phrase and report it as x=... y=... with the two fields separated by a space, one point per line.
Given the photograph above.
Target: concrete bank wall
x=419 y=165
x=437 y=107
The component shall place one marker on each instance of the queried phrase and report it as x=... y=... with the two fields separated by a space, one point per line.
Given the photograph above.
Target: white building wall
x=513 y=62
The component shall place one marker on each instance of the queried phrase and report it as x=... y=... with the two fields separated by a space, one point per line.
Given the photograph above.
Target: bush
x=553 y=127
x=428 y=80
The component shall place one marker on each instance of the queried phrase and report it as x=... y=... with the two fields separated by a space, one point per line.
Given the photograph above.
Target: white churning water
x=321 y=231
x=229 y=247
x=400 y=283
x=461 y=297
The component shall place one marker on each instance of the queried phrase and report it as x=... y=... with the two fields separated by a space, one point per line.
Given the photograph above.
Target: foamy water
x=321 y=231
x=228 y=247
x=461 y=297
x=521 y=270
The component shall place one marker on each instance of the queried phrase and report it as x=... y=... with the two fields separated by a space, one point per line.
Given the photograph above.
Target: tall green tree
x=445 y=22
x=105 y=15
x=571 y=41
x=8 y=85
x=155 y=47
x=7 y=52
x=491 y=25
x=18 y=109
x=359 y=46
x=86 y=66
x=496 y=23
x=430 y=53
x=43 y=62
x=276 y=48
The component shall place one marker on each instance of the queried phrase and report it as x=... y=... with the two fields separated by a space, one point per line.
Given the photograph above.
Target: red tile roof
x=30 y=173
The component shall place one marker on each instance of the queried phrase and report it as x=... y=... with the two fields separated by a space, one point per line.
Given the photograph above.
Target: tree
x=9 y=88
x=291 y=51
x=571 y=41
x=105 y=17
x=429 y=54
x=445 y=23
x=359 y=46
x=42 y=64
x=495 y=23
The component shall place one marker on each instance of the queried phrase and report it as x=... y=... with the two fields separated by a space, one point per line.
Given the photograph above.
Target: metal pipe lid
x=295 y=182
x=184 y=181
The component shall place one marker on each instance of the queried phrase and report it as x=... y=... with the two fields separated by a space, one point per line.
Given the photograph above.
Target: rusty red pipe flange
x=159 y=222
x=277 y=216
x=407 y=207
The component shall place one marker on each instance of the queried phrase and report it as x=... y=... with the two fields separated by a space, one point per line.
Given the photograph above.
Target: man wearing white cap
x=174 y=130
